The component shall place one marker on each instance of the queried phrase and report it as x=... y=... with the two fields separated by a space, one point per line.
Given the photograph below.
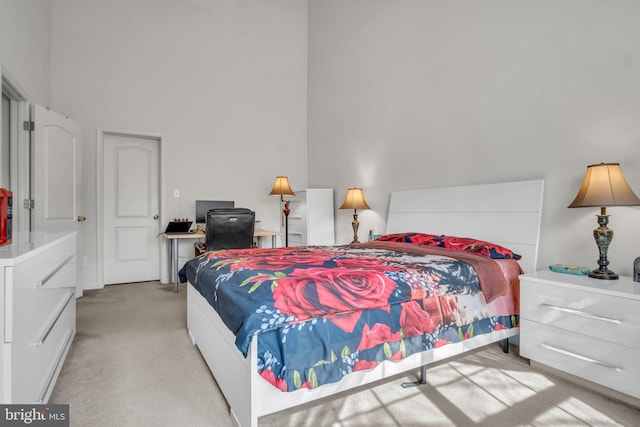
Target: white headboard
x=506 y=213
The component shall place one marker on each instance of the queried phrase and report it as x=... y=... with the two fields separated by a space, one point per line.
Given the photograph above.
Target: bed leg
x=505 y=345
x=421 y=381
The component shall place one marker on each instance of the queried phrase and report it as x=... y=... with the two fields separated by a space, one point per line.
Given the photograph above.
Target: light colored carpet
x=132 y=364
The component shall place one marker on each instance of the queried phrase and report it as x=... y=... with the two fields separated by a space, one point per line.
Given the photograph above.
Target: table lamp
x=282 y=188
x=355 y=200
x=604 y=185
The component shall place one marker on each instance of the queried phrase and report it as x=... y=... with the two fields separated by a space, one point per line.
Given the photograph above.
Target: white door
x=57 y=157
x=56 y=174
x=131 y=208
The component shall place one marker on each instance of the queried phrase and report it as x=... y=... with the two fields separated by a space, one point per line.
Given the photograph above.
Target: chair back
x=229 y=228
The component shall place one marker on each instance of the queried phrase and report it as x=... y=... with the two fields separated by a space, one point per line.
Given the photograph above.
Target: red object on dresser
x=6 y=214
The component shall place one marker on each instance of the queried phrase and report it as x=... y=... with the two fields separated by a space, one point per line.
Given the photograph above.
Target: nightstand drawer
x=611 y=365
x=604 y=317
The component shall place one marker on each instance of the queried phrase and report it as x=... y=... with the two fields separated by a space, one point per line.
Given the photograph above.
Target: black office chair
x=229 y=228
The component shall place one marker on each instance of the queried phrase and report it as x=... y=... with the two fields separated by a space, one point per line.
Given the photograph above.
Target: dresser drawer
x=48 y=269
x=39 y=355
x=36 y=309
x=38 y=291
x=608 y=318
x=612 y=365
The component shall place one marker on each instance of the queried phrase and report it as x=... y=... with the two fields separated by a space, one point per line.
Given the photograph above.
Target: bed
x=246 y=363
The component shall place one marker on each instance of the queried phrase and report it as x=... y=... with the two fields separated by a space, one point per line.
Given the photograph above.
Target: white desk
x=259 y=234
x=174 y=239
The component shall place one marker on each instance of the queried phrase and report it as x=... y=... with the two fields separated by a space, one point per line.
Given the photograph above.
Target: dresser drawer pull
x=47 y=384
x=54 y=271
x=579 y=356
x=8 y=302
x=582 y=313
x=46 y=329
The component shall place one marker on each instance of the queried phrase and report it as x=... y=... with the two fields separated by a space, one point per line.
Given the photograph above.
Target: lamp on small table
x=282 y=188
x=355 y=200
x=604 y=185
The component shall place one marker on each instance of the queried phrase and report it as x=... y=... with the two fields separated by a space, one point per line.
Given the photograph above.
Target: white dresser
x=311 y=217
x=587 y=327
x=38 y=322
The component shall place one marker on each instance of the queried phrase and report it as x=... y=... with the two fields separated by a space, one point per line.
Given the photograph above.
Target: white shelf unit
x=311 y=219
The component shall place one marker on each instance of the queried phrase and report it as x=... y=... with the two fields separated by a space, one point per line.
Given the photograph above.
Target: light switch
x=176 y=193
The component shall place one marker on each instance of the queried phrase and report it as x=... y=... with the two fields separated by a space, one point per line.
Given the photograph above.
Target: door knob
x=81 y=218
x=155 y=217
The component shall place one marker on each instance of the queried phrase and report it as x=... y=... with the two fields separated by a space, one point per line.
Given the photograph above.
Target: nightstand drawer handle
x=579 y=356
x=582 y=313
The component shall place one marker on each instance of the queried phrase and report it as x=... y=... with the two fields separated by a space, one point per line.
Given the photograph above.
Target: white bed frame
x=504 y=213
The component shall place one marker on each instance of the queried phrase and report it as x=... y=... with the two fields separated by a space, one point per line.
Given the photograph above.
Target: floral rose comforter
x=324 y=312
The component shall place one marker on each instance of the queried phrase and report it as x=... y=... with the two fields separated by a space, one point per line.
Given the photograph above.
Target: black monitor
x=203 y=206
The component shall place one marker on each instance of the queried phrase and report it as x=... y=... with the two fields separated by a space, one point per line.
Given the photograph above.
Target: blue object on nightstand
x=569 y=269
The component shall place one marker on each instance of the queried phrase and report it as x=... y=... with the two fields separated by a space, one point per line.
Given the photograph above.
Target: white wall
x=223 y=82
x=25 y=50
x=402 y=94
x=409 y=93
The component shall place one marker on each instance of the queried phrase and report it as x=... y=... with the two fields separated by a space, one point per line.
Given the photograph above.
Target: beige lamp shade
x=604 y=185
x=281 y=187
x=354 y=199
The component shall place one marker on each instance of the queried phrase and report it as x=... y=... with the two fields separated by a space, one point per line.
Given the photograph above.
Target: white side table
x=586 y=327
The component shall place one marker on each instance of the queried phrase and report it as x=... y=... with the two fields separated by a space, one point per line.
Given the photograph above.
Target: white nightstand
x=586 y=327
